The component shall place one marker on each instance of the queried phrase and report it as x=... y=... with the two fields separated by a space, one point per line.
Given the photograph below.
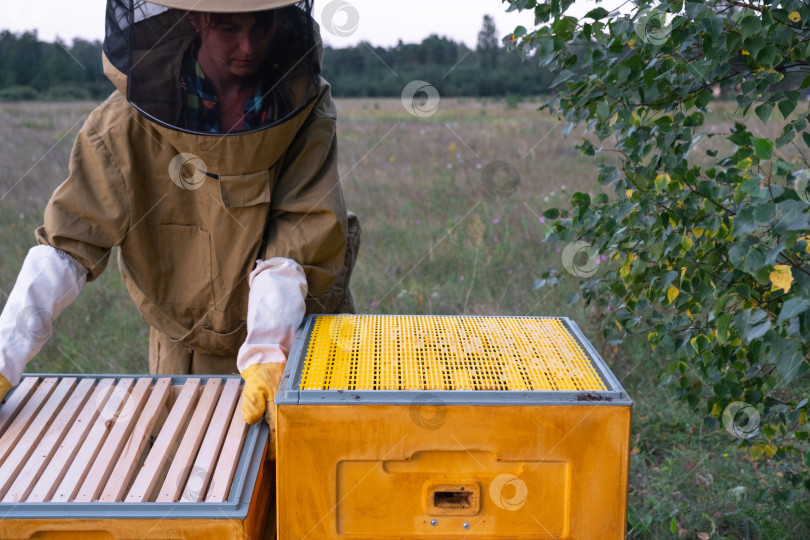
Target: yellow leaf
x=632 y=41
x=686 y=243
x=683 y=273
x=770 y=450
x=698 y=231
x=672 y=293
x=781 y=277
x=746 y=53
x=717 y=410
x=802 y=417
x=629 y=193
x=744 y=164
x=661 y=181
x=795 y=17
x=757 y=451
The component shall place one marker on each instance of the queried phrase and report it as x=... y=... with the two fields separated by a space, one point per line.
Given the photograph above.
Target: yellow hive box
x=132 y=457
x=400 y=427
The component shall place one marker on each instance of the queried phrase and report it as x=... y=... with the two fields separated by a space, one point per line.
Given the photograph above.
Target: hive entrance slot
x=452 y=499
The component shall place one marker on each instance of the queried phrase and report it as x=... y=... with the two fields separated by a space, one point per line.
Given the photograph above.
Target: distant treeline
x=31 y=69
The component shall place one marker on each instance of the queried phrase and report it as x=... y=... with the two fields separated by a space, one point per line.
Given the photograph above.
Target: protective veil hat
x=223 y=6
x=156 y=48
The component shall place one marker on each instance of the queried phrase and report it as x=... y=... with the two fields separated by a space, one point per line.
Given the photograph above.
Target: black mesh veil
x=154 y=46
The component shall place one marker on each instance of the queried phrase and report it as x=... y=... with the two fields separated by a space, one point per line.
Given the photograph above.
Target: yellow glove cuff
x=5 y=386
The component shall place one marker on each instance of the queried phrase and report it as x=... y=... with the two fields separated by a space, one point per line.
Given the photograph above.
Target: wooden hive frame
x=146 y=444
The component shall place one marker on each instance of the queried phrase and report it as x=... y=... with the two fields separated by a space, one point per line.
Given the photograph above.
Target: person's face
x=237 y=43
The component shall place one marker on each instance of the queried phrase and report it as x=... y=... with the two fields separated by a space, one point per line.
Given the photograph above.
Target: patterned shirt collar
x=201 y=104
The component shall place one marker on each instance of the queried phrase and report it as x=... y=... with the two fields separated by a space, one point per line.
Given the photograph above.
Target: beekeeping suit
x=226 y=239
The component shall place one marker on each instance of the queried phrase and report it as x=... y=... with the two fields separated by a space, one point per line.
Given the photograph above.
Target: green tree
x=707 y=228
x=488 y=44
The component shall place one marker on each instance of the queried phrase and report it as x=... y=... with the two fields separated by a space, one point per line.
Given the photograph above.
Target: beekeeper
x=213 y=168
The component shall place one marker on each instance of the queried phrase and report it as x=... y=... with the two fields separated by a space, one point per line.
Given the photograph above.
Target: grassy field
x=441 y=236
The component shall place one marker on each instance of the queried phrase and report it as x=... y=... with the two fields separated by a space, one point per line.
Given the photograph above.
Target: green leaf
x=763 y=213
x=596 y=14
x=551 y=213
x=723 y=323
x=700 y=343
x=757 y=331
x=789 y=361
x=602 y=110
x=793 y=308
x=806 y=137
x=563 y=76
x=750 y=26
x=764 y=111
x=763 y=148
x=786 y=106
x=582 y=200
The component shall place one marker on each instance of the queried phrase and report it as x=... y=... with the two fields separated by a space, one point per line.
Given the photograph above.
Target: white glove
x=48 y=282
x=276 y=307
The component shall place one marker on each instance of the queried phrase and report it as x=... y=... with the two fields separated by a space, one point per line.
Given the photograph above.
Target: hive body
x=450 y=427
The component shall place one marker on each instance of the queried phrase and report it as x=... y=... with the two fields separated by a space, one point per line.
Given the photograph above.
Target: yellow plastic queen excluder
x=449 y=427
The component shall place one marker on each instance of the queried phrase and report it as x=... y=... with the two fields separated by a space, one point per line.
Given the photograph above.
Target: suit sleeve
x=88 y=213
x=308 y=219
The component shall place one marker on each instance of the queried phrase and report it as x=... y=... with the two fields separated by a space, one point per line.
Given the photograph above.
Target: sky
x=344 y=22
